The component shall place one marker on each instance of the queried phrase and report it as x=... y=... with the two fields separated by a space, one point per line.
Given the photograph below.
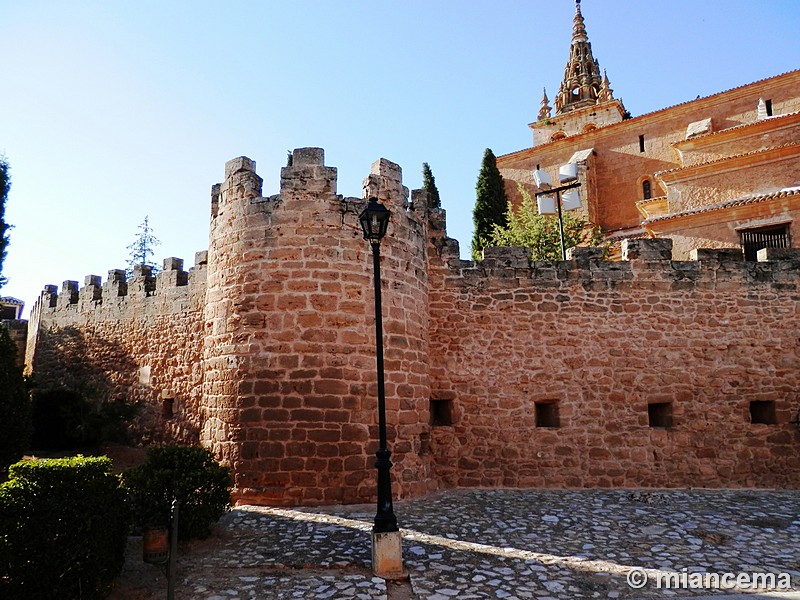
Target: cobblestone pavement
x=500 y=544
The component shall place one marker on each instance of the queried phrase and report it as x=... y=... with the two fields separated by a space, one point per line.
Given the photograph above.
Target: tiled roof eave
x=725 y=159
x=738 y=128
x=724 y=205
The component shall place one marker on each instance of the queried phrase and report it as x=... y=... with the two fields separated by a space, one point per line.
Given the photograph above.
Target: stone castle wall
x=265 y=352
x=138 y=340
x=594 y=343
x=290 y=389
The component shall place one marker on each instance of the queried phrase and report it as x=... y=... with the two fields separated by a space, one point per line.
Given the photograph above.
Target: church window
x=647 y=190
x=768 y=104
x=763 y=411
x=589 y=127
x=659 y=414
x=753 y=240
x=558 y=135
x=641 y=143
x=547 y=414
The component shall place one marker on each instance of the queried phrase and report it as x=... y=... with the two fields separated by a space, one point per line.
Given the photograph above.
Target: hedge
x=63 y=529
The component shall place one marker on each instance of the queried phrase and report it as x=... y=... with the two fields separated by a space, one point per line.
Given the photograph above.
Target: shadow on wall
x=86 y=393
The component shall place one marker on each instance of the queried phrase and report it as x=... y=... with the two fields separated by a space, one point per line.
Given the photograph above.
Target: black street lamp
x=374 y=222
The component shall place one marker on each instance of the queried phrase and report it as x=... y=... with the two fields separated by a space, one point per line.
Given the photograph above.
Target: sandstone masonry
x=502 y=372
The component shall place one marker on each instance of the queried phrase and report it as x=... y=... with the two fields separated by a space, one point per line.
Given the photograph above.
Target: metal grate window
x=754 y=240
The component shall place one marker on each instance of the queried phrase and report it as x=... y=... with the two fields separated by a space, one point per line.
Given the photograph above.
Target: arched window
x=588 y=127
x=647 y=190
x=558 y=135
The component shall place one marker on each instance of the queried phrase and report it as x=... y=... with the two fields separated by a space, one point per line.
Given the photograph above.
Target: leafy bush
x=66 y=420
x=188 y=474
x=63 y=529
x=15 y=408
x=527 y=228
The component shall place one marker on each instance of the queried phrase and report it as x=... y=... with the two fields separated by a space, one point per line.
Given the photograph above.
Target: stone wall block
x=91 y=291
x=506 y=256
x=647 y=249
x=49 y=296
x=584 y=254
x=173 y=264
x=69 y=293
x=116 y=285
x=786 y=255
x=239 y=164
x=717 y=255
x=420 y=200
x=385 y=182
x=308 y=156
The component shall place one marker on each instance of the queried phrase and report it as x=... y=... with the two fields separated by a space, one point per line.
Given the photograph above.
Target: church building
x=716 y=172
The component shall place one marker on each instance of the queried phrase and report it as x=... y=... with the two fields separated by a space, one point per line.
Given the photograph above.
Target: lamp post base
x=387 y=555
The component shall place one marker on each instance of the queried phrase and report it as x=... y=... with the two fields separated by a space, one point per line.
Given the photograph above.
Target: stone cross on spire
x=582 y=80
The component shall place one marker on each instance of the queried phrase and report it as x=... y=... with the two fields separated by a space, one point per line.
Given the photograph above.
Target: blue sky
x=111 y=111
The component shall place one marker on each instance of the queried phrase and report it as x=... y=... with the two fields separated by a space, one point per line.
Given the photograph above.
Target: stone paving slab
x=503 y=544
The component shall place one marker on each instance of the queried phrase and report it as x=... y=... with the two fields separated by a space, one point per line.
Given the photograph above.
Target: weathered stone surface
x=543 y=374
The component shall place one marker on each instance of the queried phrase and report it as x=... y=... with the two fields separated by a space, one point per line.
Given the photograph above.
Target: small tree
x=490 y=206
x=5 y=185
x=141 y=250
x=429 y=184
x=187 y=474
x=527 y=228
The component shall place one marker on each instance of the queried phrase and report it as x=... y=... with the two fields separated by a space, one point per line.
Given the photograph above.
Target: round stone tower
x=290 y=393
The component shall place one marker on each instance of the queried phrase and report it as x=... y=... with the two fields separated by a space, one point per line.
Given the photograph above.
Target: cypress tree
x=5 y=184
x=490 y=206
x=15 y=408
x=429 y=184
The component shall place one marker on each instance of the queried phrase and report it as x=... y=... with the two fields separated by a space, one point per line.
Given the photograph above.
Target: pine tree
x=490 y=206
x=527 y=228
x=5 y=185
x=141 y=250
x=429 y=184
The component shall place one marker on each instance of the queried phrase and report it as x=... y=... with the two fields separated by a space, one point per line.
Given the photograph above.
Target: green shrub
x=63 y=529
x=66 y=420
x=15 y=408
x=188 y=474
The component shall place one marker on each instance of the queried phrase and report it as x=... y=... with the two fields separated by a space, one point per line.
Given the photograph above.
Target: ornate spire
x=545 y=110
x=578 y=27
x=606 y=93
x=582 y=85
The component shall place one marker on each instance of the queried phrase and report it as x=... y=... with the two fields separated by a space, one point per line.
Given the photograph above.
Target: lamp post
x=570 y=201
x=386 y=542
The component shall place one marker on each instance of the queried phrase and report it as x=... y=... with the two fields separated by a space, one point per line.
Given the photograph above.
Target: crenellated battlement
x=171 y=290
x=500 y=372
x=645 y=263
